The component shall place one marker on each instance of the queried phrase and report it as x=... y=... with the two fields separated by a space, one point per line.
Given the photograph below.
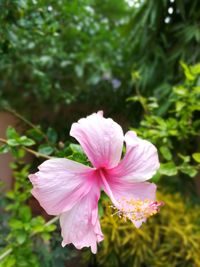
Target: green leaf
x=10 y=195
x=180 y=105
x=46 y=236
x=188 y=169
x=35 y=134
x=100 y=209
x=13 y=142
x=52 y=135
x=196 y=157
x=17 y=152
x=179 y=90
x=166 y=153
x=21 y=237
x=11 y=133
x=25 y=213
x=196 y=68
x=38 y=220
x=50 y=228
x=25 y=141
x=45 y=149
x=10 y=262
x=4 y=149
x=76 y=148
x=15 y=224
x=94 y=79
x=189 y=75
x=20 y=152
x=168 y=169
x=79 y=70
x=38 y=228
x=184 y=158
x=77 y=154
x=156 y=177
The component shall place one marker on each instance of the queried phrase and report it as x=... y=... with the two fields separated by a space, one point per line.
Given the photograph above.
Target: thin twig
x=53 y=220
x=29 y=150
x=16 y=114
x=141 y=101
x=7 y=252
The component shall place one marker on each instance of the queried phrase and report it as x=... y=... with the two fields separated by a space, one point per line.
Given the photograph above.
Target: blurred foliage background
x=64 y=54
x=138 y=60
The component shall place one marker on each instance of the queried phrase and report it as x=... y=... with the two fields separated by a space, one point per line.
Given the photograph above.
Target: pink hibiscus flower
x=72 y=190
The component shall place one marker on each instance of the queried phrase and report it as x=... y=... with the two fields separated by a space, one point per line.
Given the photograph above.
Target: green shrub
x=169 y=239
x=176 y=133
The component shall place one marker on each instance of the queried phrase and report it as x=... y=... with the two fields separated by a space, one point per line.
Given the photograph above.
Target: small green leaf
x=168 y=169
x=10 y=195
x=100 y=209
x=179 y=106
x=10 y=262
x=94 y=79
x=38 y=220
x=21 y=152
x=38 y=228
x=166 y=153
x=50 y=228
x=45 y=149
x=4 y=149
x=186 y=159
x=187 y=71
x=46 y=236
x=52 y=135
x=15 y=224
x=25 y=141
x=188 y=169
x=79 y=70
x=13 y=142
x=35 y=134
x=11 y=133
x=156 y=178
x=77 y=154
x=25 y=213
x=76 y=148
x=196 y=157
x=21 y=237
x=179 y=90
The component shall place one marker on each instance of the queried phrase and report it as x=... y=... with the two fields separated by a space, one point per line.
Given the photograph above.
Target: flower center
x=136 y=210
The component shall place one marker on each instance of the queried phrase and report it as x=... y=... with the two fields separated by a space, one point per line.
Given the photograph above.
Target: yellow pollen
x=135 y=209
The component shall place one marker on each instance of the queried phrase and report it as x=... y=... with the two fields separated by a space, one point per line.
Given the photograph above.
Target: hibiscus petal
x=100 y=138
x=140 y=162
x=60 y=183
x=80 y=226
x=131 y=200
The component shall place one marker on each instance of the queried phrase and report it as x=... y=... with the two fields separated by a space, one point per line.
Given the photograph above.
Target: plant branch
x=29 y=150
x=16 y=114
x=141 y=100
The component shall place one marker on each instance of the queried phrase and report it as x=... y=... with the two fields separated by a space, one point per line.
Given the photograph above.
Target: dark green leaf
x=52 y=135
